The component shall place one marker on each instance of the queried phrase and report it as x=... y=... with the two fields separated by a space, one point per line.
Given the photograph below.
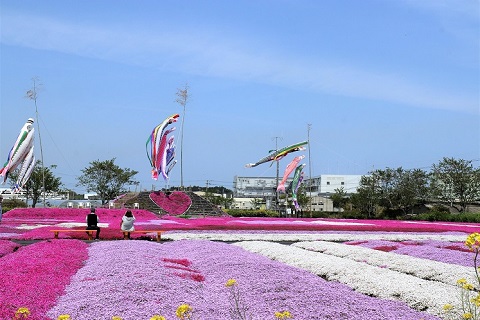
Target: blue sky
x=381 y=83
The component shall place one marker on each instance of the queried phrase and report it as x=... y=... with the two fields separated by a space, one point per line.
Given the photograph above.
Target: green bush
x=10 y=204
x=251 y=213
x=445 y=216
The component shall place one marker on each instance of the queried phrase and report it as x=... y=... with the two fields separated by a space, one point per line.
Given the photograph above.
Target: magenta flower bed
x=42 y=220
x=7 y=247
x=137 y=279
x=36 y=275
x=175 y=203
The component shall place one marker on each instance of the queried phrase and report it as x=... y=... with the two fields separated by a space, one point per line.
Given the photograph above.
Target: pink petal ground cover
x=35 y=275
x=453 y=253
x=137 y=279
x=44 y=220
x=7 y=247
x=175 y=203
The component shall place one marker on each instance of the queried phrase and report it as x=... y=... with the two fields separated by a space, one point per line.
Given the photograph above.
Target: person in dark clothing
x=92 y=223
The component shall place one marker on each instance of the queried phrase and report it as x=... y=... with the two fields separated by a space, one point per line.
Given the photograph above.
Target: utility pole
x=206 y=189
x=32 y=95
x=182 y=99
x=277 y=200
x=309 y=126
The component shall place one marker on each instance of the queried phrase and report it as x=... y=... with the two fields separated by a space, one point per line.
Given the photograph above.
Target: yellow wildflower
x=476 y=300
x=461 y=281
x=64 y=317
x=467 y=315
x=157 y=317
x=184 y=311
x=473 y=241
x=468 y=286
x=283 y=315
x=22 y=313
x=447 y=307
x=231 y=283
x=116 y=318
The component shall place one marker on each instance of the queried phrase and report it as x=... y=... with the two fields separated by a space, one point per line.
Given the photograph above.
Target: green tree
x=302 y=198
x=412 y=189
x=34 y=185
x=391 y=189
x=256 y=203
x=455 y=182
x=367 y=197
x=401 y=189
x=106 y=179
x=339 y=198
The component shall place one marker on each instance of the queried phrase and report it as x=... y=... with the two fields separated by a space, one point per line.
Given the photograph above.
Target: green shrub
x=10 y=204
x=251 y=213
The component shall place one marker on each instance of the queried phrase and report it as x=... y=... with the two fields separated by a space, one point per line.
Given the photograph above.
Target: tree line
x=451 y=183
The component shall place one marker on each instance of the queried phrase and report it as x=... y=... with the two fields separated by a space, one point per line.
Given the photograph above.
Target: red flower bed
x=175 y=203
x=386 y=248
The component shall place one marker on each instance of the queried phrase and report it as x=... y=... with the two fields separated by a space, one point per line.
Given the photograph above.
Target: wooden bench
x=89 y=232
x=158 y=232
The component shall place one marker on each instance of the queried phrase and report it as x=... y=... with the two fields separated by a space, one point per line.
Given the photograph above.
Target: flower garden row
x=35 y=224
x=384 y=274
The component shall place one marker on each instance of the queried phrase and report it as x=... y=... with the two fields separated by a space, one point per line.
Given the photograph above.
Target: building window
x=328 y=183
x=342 y=183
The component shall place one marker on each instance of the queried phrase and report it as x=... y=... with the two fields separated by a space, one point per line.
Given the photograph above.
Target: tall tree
x=339 y=198
x=393 y=189
x=412 y=189
x=106 y=179
x=455 y=182
x=367 y=197
x=41 y=176
x=182 y=99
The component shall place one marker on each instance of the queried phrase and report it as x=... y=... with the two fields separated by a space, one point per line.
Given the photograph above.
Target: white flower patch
x=421 y=268
x=295 y=237
x=419 y=294
x=157 y=222
x=32 y=226
x=8 y=235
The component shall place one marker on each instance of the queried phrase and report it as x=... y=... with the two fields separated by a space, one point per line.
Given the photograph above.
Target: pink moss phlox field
x=146 y=220
x=134 y=283
x=299 y=224
x=7 y=247
x=43 y=220
x=175 y=203
x=35 y=275
x=75 y=215
x=438 y=254
x=427 y=249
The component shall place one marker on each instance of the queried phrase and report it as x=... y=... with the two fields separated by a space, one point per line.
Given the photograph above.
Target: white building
x=323 y=185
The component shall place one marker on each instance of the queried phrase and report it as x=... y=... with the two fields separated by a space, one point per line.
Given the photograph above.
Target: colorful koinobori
x=290 y=167
x=161 y=148
x=276 y=155
x=295 y=184
x=21 y=153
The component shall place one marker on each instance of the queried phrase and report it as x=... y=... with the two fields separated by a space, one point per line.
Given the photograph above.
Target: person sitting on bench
x=92 y=223
x=127 y=223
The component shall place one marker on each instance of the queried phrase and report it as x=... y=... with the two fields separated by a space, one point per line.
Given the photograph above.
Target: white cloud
x=217 y=56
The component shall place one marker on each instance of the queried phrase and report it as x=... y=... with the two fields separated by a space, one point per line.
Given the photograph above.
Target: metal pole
x=277 y=200
x=309 y=172
x=32 y=94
